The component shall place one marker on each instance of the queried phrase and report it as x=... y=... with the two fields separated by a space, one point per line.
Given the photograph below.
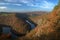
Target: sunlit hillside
x=48 y=26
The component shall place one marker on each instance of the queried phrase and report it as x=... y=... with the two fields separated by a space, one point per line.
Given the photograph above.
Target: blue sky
x=27 y=5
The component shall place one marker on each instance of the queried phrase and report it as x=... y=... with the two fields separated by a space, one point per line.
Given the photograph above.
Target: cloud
x=10 y=4
x=30 y=4
x=3 y=7
x=46 y=4
x=17 y=4
x=40 y=4
x=10 y=0
x=33 y=5
x=4 y=3
x=24 y=1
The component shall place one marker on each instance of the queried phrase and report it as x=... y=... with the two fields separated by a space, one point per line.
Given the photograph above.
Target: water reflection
x=6 y=30
x=31 y=24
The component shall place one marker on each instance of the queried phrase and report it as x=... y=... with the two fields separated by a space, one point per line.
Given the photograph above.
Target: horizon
x=27 y=5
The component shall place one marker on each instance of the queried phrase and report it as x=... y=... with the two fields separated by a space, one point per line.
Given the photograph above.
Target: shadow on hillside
x=6 y=30
x=25 y=17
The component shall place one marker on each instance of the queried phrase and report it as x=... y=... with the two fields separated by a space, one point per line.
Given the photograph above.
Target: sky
x=27 y=5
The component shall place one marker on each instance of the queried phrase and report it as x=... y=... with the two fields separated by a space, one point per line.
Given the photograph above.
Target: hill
x=48 y=27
